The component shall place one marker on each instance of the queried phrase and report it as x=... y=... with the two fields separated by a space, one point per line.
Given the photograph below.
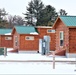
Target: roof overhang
x=71 y=26
x=43 y=27
x=54 y=25
x=55 y=22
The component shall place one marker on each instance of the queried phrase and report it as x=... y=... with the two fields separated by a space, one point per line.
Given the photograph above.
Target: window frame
x=61 y=38
x=51 y=31
x=16 y=40
x=8 y=38
x=29 y=37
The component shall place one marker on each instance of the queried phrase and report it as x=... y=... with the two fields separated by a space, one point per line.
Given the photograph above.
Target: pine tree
x=48 y=16
x=33 y=11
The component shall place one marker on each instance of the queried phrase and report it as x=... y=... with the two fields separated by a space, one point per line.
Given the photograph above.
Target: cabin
x=6 y=39
x=47 y=31
x=26 y=38
x=65 y=27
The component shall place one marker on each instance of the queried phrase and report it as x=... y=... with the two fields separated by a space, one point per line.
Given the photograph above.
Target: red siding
x=33 y=44
x=29 y=44
x=72 y=40
x=15 y=34
x=6 y=43
x=61 y=27
x=43 y=32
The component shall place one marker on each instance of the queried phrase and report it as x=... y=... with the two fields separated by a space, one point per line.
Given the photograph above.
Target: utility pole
x=53 y=60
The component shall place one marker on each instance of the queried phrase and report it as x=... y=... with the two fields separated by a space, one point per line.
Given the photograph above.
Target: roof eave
x=55 y=22
x=71 y=26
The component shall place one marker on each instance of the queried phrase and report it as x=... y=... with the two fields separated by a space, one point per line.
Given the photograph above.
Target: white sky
x=17 y=7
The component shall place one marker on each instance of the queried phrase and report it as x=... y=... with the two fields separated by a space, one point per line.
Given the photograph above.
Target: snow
x=8 y=34
x=9 y=49
x=34 y=57
x=36 y=67
x=34 y=33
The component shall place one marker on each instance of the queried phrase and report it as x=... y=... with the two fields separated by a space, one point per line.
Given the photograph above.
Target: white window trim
x=50 y=32
x=16 y=41
x=31 y=37
x=61 y=39
x=16 y=38
x=8 y=38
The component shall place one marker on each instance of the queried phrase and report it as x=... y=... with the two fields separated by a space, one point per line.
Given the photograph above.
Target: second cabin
x=26 y=38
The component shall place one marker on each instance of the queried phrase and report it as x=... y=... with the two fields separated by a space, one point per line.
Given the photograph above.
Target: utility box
x=47 y=40
x=40 y=45
x=1 y=51
x=5 y=51
x=44 y=45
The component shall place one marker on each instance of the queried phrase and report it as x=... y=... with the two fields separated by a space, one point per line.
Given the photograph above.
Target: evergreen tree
x=48 y=16
x=43 y=15
x=33 y=11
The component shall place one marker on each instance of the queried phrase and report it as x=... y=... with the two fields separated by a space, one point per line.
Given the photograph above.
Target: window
x=16 y=40
x=8 y=38
x=50 y=31
x=29 y=38
x=61 y=38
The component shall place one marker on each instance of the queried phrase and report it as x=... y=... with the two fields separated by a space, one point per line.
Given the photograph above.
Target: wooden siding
x=43 y=32
x=6 y=43
x=61 y=27
x=72 y=40
x=15 y=34
x=31 y=45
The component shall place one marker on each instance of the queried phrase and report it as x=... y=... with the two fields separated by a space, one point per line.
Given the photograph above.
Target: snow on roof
x=34 y=33
x=8 y=34
x=43 y=27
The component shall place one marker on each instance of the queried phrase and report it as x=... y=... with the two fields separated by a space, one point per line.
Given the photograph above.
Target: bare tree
x=15 y=20
x=2 y=18
x=62 y=12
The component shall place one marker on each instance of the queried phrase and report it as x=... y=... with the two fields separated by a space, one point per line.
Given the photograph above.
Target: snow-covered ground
x=36 y=67
x=34 y=57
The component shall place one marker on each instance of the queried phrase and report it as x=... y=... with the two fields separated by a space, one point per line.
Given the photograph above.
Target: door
x=15 y=41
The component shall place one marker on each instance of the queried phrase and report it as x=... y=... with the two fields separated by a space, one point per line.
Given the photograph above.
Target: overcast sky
x=17 y=7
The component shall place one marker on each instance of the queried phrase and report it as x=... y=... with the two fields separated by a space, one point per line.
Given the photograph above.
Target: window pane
x=29 y=38
x=61 y=36
x=49 y=31
x=16 y=43
x=8 y=38
x=16 y=40
x=61 y=42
